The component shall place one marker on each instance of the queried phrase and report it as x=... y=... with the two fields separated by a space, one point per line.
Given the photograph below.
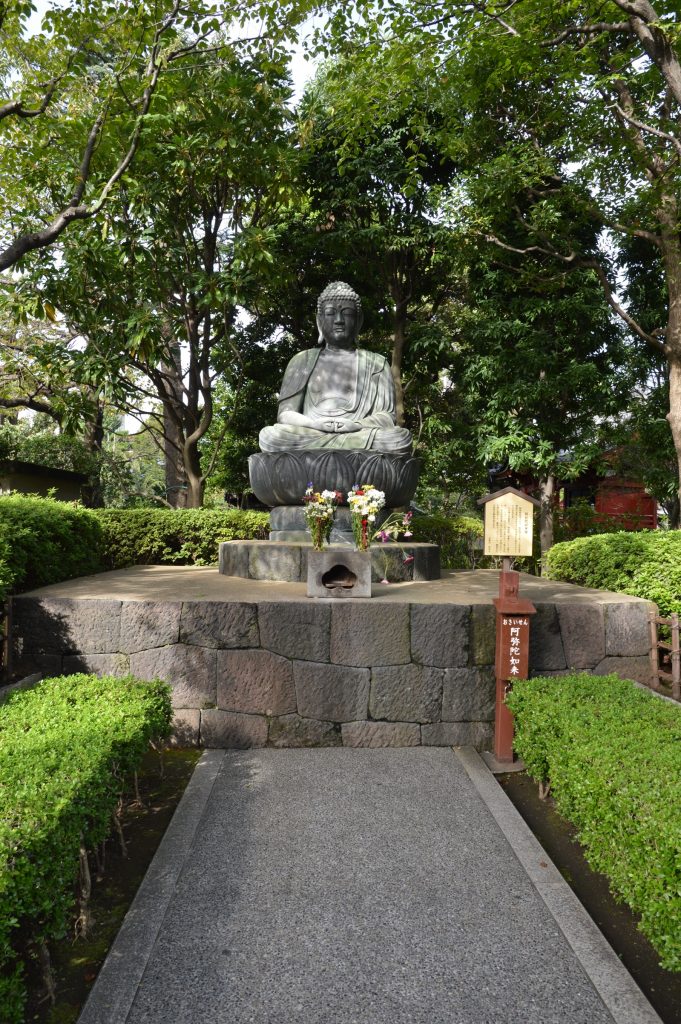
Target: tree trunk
x=93 y=496
x=399 y=345
x=674 y=414
x=175 y=476
x=196 y=484
x=672 y=507
x=547 y=487
x=668 y=215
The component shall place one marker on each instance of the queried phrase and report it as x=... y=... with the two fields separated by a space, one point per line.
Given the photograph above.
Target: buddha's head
x=339 y=315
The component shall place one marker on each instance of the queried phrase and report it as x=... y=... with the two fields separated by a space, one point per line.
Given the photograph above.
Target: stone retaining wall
x=321 y=673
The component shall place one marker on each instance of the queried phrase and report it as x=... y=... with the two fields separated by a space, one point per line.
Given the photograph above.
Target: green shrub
x=174 y=536
x=646 y=564
x=45 y=541
x=66 y=747
x=458 y=538
x=6 y=575
x=582 y=520
x=611 y=753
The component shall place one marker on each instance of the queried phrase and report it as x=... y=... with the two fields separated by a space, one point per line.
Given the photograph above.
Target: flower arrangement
x=365 y=503
x=319 y=509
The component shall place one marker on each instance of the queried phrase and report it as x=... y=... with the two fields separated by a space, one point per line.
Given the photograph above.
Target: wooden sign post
x=509 y=520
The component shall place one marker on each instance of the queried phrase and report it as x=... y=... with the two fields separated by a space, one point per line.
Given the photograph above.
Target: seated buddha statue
x=338 y=395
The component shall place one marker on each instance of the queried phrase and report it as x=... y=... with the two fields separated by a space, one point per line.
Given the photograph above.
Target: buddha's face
x=338 y=323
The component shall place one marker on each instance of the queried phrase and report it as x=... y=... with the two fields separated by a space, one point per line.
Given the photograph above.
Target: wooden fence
x=666 y=651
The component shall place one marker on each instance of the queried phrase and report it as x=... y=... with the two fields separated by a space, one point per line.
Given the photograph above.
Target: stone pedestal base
x=287 y=523
x=338 y=572
x=281 y=478
x=288 y=561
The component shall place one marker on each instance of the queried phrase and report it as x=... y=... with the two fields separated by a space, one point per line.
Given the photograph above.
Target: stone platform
x=287 y=561
x=256 y=663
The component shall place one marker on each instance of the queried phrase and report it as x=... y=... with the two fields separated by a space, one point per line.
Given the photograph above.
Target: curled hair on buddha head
x=339 y=291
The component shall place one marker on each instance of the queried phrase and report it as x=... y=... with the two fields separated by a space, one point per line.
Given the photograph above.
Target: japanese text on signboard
x=508 y=526
x=514 y=647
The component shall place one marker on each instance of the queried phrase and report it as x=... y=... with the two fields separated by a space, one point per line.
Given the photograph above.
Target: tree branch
x=597 y=29
x=635 y=123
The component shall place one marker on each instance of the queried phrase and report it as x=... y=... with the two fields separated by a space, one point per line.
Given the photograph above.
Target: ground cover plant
x=44 y=541
x=174 y=536
x=646 y=564
x=67 y=749
x=610 y=753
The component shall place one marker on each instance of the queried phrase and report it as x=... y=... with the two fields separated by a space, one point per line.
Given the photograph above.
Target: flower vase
x=361 y=532
x=320 y=531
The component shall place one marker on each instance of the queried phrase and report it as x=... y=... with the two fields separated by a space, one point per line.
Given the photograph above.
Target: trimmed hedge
x=44 y=541
x=611 y=753
x=456 y=536
x=174 y=536
x=646 y=564
x=66 y=747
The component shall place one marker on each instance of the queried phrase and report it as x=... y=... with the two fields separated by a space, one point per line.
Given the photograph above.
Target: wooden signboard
x=509 y=520
x=513 y=639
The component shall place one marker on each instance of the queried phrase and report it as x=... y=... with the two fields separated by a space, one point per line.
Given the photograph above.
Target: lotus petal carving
x=280 y=478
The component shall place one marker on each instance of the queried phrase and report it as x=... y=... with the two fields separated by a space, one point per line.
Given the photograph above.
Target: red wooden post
x=512 y=655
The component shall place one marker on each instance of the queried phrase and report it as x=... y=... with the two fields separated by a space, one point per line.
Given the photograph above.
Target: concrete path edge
x=113 y=993
x=616 y=987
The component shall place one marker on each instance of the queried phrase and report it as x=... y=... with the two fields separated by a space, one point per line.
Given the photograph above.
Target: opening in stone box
x=339 y=576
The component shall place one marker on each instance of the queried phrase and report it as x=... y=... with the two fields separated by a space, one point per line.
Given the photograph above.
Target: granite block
x=388 y=563
x=191 y=672
x=381 y=734
x=468 y=694
x=439 y=634
x=147 y=624
x=627 y=631
x=25 y=661
x=406 y=693
x=272 y=561
x=219 y=624
x=483 y=634
x=546 y=645
x=234 y=558
x=255 y=682
x=96 y=664
x=331 y=693
x=370 y=634
x=637 y=669
x=67 y=625
x=294 y=731
x=295 y=629
x=186 y=728
x=458 y=734
x=426 y=564
x=225 y=730
x=582 y=628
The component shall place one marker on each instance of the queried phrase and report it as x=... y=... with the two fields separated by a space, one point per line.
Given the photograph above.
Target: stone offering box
x=259 y=663
x=338 y=572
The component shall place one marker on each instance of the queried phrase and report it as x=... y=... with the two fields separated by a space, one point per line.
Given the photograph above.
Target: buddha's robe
x=370 y=402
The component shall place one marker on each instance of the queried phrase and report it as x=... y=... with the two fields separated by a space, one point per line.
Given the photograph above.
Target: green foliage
x=47 y=541
x=174 y=537
x=66 y=748
x=6 y=574
x=646 y=564
x=582 y=520
x=611 y=753
x=458 y=537
x=45 y=448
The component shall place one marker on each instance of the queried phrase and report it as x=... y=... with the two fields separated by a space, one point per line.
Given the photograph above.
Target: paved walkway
x=366 y=886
